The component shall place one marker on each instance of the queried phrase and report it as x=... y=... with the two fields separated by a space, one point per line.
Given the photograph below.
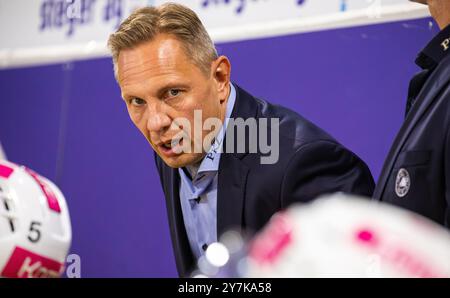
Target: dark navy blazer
x=311 y=163
x=421 y=150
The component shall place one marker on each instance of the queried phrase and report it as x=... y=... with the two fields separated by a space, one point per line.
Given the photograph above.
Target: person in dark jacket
x=416 y=173
x=246 y=160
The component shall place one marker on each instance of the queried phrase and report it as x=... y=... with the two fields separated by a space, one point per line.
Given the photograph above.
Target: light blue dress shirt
x=199 y=195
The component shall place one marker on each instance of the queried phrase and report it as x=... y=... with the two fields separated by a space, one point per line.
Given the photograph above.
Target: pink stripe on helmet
x=5 y=171
x=276 y=237
x=49 y=194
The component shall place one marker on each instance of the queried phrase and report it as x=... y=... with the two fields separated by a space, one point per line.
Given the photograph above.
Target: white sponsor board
x=44 y=31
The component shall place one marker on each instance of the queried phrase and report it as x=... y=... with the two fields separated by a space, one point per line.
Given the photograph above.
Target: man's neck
x=440 y=11
x=193 y=169
x=224 y=107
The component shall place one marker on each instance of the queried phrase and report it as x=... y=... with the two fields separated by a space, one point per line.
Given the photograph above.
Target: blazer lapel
x=438 y=79
x=233 y=172
x=183 y=253
x=230 y=193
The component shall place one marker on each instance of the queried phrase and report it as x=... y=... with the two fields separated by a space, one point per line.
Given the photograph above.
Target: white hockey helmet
x=35 y=230
x=334 y=236
x=343 y=236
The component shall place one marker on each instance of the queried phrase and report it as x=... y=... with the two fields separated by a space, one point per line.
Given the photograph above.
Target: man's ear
x=221 y=69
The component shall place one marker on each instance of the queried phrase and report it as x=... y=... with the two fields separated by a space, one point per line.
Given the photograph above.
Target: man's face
x=160 y=83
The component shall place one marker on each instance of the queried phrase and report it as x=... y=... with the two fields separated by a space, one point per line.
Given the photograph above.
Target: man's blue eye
x=174 y=92
x=137 y=101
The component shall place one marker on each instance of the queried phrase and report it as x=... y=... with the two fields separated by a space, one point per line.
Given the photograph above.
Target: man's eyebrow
x=169 y=86
x=125 y=96
x=160 y=92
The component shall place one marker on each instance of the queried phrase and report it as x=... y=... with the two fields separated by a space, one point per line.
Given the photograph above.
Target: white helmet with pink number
x=35 y=230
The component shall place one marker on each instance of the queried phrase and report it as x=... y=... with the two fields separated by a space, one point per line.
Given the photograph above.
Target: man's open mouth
x=169 y=143
x=169 y=146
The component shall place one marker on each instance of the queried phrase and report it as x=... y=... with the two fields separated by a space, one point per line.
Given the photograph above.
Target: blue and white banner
x=41 y=31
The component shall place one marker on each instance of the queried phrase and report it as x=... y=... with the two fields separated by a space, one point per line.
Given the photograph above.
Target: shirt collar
x=210 y=162
x=435 y=51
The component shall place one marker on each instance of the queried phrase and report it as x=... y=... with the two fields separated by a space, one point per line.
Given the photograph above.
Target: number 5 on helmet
x=35 y=230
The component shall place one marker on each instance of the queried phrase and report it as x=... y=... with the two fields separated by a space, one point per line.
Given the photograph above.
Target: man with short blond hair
x=226 y=159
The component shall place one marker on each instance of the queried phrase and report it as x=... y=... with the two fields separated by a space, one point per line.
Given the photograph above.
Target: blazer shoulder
x=293 y=127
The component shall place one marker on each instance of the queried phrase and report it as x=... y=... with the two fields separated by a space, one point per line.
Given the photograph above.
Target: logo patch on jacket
x=402 y=183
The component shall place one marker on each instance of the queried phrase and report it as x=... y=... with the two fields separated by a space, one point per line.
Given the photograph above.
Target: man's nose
x=158 y=120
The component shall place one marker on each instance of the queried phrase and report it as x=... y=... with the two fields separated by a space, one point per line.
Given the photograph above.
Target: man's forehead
x=159 y=56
